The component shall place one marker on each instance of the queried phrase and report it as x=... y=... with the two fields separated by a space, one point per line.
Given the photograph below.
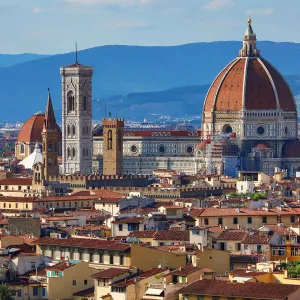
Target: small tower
x=77 y=142
x=249 y=43
x=113 y=146
x=50 y=136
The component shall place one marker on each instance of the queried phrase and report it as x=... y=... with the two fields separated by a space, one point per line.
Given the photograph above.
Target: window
x=260 y=130
x=85 y=282
x=249 y=220
x=161 y=149
x=73 y=152
x=34 y=291
x=295 y=251
x=69 y=153
x=101 y=258
x=68 y=130
x=49 y=147
x=200 y=297
x=206 y=222
x=44 y=291
x=235 y=220
x=74 y=282
x=215 y=298
x=19 y=293
x=73 y=130
x=84 y=103
x=121 y=260
x=111 y=259
x=70 y=102
x=26 y=205
x=264 y=219
x=22 y=148
x=120 y=227
x=32 y=265
x=118 y=289
x=133 y=226
x=220 y=221
x=109 y=140
x=293 y=219
x=278 y=251
x=120 y=140
x=238 y=246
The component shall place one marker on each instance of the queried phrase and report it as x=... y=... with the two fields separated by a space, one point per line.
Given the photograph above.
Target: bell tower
x=113 y=146
x=77 y=146
x=50 y=135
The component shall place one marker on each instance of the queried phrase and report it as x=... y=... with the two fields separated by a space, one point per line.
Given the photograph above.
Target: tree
x=5 y=293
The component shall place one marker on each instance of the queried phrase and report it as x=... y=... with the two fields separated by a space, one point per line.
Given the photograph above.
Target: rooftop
x=252 y=290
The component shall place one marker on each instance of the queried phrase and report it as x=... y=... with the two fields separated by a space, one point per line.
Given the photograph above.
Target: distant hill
x=8 y=60
x=134 y=71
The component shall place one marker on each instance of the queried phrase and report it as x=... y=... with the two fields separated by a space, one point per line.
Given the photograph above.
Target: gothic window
x=119 y=140
x=83 y=152
x=73 y=130
x=22 y=148
x=84 y=103
x=109 y=141
x=87 y=130
x=69 y=153
x=71 y=101
x=68 y=130
x=73 y=152
x=83 y=130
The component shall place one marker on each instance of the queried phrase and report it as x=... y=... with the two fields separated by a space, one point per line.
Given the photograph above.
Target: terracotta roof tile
x=184 y=271
x=252 y=290
x=232 y=235
x=110 y=273
x=16 y=181
x=84 y=243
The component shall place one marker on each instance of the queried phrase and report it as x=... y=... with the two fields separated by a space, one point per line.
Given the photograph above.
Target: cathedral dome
x=31 y=131
x=291 y=149
x=249 y=82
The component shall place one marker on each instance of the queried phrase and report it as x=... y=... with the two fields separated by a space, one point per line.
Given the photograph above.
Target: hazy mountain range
x=128 y=77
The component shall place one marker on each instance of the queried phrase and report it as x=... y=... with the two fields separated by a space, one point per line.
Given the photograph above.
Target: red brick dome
x=252 y=83
x=291 y=149
x=31 y=131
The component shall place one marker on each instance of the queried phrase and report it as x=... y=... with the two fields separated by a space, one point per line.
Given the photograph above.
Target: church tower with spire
x=77 y=142
x=50 y=137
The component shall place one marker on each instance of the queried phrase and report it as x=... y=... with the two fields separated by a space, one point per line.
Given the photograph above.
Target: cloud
x=36 y=10
x=110 y=2
x=218 y=4
x=260 y=11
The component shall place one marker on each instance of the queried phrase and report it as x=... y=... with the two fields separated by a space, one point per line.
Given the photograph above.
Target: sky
x=53 y=26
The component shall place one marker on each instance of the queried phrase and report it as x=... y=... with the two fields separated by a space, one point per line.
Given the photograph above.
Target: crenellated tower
x=113 y=146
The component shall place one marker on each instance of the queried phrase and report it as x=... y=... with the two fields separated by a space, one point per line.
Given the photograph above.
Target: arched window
x=109 y=141
x=87 y=130
x=71 y=101
x=73 y=152
x=22 y=148
x=84 y=103
x=69 y=153
x=73 y=130
x=68 y=130
x=119 y=140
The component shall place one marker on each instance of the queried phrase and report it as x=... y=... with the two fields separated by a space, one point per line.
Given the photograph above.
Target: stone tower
x=50 y=136
x=113 y=146
x=77 y=146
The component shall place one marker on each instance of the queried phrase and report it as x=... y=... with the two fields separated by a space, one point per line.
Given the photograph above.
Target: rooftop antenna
x=76 y=52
